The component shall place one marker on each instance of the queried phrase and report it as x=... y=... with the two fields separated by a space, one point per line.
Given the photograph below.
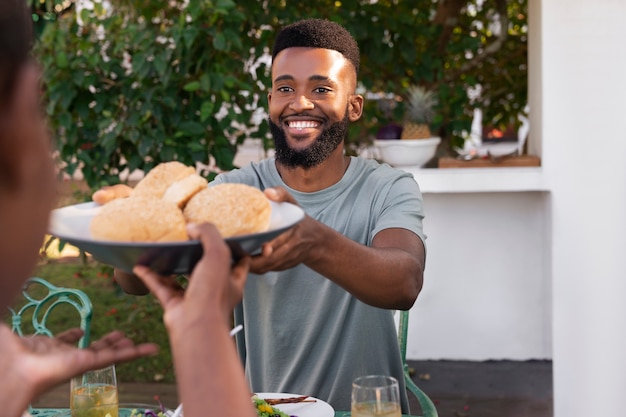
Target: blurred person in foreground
x=32 y=365
x=317 y=310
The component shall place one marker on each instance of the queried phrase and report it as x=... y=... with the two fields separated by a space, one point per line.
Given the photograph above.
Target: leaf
x=191 y=128
x=219 y=41
x=192 y=86
x=224 y=156
x=225 y=4
x=160 y=64
x=205 y=82
x=67 y=98
x=85 y=15
x=206 y=110
x=61 y=60
x=189 y=36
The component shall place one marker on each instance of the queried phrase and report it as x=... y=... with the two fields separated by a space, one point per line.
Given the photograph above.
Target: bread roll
x=182 y=190
x=235 y=209
x=139 y=219
x=111 y=192
x=159 y=178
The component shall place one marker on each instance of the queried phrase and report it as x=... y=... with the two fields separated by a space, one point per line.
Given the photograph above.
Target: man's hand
x=393 y=263
x=130 y=283
x=290 y=248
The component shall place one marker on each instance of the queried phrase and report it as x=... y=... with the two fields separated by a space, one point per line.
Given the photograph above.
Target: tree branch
x=488 y=50
x=447 y=16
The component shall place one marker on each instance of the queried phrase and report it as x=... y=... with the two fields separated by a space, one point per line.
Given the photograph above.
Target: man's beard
x=315 y=154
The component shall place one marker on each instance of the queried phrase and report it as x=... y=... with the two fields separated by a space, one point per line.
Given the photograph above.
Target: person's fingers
x=267 y=249
x=216 y=252
x=70 y=335
x=111 y=355
x=165 y=289
x=108 y=340
x=117 y=341
x=208 y=235
x=240 y=272
x=279 y=194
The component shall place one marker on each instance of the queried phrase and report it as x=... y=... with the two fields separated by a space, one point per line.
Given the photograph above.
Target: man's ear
x=355 y=107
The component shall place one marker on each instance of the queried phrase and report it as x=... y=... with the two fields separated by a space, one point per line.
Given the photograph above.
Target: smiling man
x=309 y=105
x=318 y=306
x=317 y=312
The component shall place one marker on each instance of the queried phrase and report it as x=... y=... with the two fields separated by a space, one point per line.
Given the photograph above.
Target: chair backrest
x=428 y=408
x=41 y=299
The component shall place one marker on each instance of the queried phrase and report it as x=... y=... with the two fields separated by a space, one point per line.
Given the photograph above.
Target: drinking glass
x=94 y=394
x=375 y=396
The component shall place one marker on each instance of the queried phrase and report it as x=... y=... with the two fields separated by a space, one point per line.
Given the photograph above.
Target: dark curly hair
x=15 y=44
x=16 y=39
x=318 y=33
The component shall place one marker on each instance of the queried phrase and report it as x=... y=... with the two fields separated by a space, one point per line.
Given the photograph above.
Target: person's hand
x=215 y=285
x=291 y=248
x=38 y=363
x=209 y=372
x=130 y=283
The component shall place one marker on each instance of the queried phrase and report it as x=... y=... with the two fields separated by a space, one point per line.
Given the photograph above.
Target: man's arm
x=130 y=283
x=389 y=274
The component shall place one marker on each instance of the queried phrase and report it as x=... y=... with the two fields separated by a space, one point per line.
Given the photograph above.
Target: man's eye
x=322 y=90
x=284 y=89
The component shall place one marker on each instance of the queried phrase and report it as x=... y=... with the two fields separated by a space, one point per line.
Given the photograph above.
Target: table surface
x=347 y=414
x=50 y=412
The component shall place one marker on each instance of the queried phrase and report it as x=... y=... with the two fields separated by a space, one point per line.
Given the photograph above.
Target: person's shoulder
x=371 y=167
x=250 y=174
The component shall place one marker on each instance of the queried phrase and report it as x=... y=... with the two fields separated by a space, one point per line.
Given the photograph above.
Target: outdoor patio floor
x=487 y=389
x=458 y=388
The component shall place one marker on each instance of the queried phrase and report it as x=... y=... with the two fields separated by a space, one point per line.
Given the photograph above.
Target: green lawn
x=140 y=318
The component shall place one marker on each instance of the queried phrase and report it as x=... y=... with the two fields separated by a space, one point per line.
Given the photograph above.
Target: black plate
x=71 y=224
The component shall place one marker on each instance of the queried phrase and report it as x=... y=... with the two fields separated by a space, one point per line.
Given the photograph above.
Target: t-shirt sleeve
x=401 y=207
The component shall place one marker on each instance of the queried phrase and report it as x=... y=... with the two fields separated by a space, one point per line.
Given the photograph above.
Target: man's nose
x=301 y=102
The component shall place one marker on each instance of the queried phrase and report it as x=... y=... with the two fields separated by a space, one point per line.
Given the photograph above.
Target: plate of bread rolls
x=146 y=224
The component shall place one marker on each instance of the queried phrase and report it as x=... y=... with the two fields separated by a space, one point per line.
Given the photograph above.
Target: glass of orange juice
x=376 y=396
x=94 y=394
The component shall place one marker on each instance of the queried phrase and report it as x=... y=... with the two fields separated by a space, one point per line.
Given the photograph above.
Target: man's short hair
x=318 y=33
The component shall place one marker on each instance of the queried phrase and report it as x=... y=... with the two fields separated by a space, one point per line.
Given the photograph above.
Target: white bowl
x=407 y=152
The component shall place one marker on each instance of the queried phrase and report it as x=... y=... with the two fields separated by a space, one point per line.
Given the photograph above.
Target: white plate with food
x=71 y=224
x=309 y=407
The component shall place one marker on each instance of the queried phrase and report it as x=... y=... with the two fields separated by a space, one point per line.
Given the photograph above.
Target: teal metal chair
x=33 y=317
x=41 y=299
x=428 y=408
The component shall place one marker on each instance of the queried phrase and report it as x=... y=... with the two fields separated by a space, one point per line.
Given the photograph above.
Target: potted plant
x=416 y=145
x=419 y=112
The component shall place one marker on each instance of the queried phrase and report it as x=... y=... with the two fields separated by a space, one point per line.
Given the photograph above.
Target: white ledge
x=478 y=180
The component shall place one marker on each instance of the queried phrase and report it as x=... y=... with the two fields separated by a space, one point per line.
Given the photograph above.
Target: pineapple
x=419 y=113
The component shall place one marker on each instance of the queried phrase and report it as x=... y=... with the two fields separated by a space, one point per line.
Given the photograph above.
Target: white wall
x=582 y=68
x=486 y=294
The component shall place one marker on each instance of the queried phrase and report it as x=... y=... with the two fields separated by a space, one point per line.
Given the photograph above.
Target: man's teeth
x=302 y=125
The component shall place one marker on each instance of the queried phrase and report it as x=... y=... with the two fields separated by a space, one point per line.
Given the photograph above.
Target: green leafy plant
x=148 y=81
x=131 y=86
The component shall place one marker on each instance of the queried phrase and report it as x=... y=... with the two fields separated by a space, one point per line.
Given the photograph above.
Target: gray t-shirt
x=303 y=333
